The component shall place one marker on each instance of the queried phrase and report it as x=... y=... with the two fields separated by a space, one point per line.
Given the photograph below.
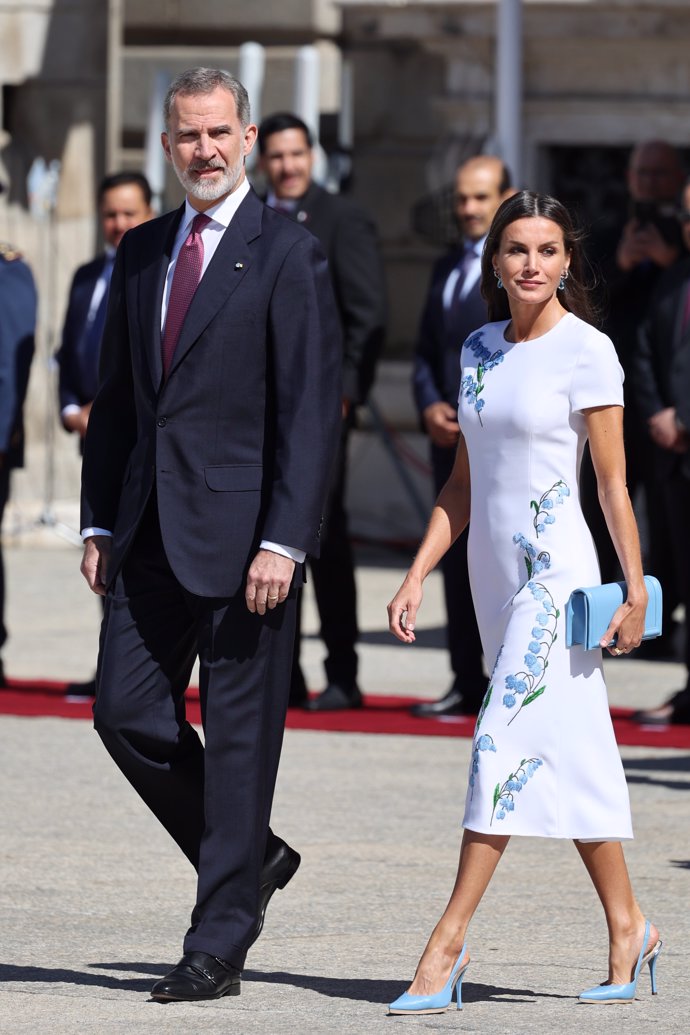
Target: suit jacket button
x=162 y=421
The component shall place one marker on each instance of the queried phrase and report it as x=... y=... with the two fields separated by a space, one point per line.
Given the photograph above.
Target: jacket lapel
x=227 y=268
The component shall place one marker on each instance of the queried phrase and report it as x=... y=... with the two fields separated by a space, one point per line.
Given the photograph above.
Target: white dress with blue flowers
x=544 y=760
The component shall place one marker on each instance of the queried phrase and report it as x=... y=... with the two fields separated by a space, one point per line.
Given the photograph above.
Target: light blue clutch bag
x=589 y=612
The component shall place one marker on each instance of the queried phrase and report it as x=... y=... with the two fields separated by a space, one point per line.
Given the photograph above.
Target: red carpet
x=380 y=715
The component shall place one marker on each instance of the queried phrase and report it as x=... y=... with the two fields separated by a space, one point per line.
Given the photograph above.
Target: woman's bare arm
x=605 y=430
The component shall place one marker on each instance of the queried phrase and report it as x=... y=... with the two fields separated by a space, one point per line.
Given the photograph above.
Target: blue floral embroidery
x=534 y=562
x=526 y=685
x=504 y=800
x=487 y=695
x=543 y=507
x=483 y=743
x=470 y=387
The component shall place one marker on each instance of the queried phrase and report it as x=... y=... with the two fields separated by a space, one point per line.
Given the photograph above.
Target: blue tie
x=456 y=303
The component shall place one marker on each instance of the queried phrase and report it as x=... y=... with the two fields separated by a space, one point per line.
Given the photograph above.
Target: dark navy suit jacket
x=17 y=327
x=78 y=373
x=239 y=440
x=436 y=374
x=348 y=237
x=661 y=368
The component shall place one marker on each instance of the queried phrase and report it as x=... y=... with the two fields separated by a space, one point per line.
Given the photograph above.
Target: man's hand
x=663 y=428
x=94 y=562
x=441 y=423
x=268 y=581
x=78 y=421
x=642 y=242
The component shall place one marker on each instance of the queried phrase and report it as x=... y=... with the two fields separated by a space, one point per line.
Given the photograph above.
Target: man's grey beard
x=210 y=190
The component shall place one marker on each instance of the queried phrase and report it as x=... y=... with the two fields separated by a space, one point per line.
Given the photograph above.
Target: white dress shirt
x=472 y=276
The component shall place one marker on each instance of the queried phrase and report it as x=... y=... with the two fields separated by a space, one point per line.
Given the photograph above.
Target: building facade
x=406 y=90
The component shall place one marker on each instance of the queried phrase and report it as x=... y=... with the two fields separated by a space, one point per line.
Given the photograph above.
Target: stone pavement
x=95 y=898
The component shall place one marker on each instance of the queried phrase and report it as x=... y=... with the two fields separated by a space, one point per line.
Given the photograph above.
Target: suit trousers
x=464 y=642
x=215 y=800
x=677 y=498
x=333 y=577
x=5 y=475
x=640 y=476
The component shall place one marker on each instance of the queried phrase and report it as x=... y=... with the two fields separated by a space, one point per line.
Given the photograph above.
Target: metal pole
x=252 y=67
x=154 y=163
x=509 y=84
x=114 y=87
x=307 y=93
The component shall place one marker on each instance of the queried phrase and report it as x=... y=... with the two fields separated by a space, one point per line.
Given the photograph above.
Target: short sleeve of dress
x=598 y=376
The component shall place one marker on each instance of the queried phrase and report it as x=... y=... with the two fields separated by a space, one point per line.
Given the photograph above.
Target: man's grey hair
x=204 y=81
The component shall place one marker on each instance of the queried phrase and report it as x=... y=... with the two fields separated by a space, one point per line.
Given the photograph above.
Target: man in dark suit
x=348 y=237
x=17 y=327
x=124 y=201
x=207 y=456
x=454 y=308
x=662 y=389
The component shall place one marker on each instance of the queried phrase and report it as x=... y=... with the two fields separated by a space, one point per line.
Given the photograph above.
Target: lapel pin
x=239 y=265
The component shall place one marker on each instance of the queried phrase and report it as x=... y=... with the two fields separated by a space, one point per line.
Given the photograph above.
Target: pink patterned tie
x=185 y=282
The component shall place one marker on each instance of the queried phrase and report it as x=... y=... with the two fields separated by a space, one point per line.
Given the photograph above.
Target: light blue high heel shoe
x=439 y=1002
x=626 y=993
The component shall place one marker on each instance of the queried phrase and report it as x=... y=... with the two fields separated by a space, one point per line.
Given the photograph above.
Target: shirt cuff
x=298 y=556
x=86 y=532
x=69 y=408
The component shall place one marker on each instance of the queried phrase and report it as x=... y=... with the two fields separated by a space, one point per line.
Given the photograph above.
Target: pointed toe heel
x=440 y=1001
x=626 y=993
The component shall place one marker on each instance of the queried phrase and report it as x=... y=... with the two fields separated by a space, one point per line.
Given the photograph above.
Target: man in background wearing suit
x=124 y=201
x=661 y=382
x=17 y=328
x=454 y=308
x=348 y=237
x=207 y=457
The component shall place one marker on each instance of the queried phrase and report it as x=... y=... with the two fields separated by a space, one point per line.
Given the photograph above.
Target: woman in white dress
x=535 y=385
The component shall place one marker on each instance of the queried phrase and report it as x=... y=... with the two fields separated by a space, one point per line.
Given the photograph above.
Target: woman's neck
x=533 y=321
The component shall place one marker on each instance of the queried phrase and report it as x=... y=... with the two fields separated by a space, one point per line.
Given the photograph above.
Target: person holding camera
x=630 y=259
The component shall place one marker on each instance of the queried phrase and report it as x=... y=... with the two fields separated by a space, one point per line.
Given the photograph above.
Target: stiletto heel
x=652 y=965
x=626 y=993
x=440 y=1001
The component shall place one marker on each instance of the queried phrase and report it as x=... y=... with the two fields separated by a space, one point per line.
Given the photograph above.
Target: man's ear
x=165 y=144
x=250 y=135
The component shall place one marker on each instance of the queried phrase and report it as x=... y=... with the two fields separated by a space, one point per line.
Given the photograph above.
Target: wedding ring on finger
x=273 y=598
x=617 y=651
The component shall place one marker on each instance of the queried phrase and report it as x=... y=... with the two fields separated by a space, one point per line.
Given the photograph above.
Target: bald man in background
x=454 y=308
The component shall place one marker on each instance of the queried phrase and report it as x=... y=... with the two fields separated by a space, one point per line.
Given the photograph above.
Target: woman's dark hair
x=577 y=296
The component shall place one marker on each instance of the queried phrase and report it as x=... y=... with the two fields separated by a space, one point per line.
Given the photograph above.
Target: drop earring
x=499 y=282
x=561 y=282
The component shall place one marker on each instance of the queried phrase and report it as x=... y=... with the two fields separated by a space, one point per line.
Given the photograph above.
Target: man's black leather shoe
x=277 y=870
x=196 y=977
x=452 y=703
x=675 y=712
x=336 y=698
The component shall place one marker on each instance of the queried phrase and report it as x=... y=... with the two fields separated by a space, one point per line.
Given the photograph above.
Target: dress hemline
x=555 y=837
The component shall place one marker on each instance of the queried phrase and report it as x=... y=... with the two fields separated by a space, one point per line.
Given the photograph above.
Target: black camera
x=665 y=217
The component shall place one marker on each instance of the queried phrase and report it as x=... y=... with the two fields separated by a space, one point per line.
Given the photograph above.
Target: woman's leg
x=479 y=856
x=606 y=866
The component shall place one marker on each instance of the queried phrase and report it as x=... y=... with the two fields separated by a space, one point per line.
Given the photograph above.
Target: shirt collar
x=221 y=213
x=476 y=247
x=286 y=204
